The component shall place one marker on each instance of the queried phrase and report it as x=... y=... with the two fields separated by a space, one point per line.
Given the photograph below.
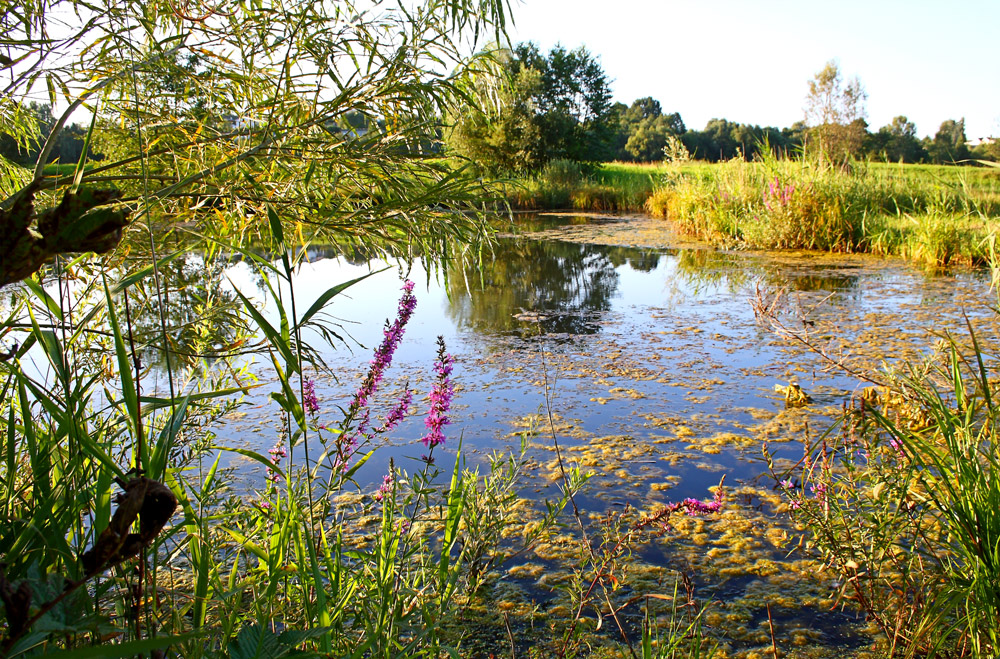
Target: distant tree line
x=557 y=106
x=68 y=147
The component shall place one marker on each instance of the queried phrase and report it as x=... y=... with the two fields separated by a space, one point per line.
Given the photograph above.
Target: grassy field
x=934 y=214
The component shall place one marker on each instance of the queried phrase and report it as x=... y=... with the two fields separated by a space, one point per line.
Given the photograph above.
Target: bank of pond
x=652 y=447
x=933 y=214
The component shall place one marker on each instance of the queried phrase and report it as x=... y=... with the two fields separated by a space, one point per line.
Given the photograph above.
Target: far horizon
x=750 y=62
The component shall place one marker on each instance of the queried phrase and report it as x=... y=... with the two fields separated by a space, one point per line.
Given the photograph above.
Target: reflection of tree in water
x=567 y=282
x=199 y=312
x=703 y=268
x=640 y=260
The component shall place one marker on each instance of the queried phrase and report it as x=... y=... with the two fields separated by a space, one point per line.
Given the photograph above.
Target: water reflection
x=200 y=311
x=571 y=285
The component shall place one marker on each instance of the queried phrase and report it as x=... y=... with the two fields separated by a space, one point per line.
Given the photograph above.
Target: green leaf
x=272 y=334
x=256 y=642
x=142 y=273
x=156 y=403
x=46 y=299
x=244 y=542
x=332 y=292
x=276 y=229
x=253 y=455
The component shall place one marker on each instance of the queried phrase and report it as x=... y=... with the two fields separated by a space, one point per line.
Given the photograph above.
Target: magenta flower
x=392 y=335
x=277 y=453
x=385 y=488
x=398 y=413
x=694 y=507
x=309 y=400
x=382 y=359
x=440 y=397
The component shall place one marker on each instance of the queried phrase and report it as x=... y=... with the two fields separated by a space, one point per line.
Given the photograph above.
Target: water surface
x=647 y=353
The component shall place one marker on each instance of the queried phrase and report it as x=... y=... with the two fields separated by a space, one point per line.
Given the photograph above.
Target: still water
x=660 y=380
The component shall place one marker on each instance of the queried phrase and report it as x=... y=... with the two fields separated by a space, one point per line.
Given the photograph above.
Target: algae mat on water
x=660 y=383
x=665 y=399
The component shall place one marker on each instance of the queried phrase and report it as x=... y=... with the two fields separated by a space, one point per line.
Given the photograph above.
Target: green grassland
x=934 y=214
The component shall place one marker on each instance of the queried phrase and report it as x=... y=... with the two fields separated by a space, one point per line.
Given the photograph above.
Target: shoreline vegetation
x=936 y=215
x=126 y=349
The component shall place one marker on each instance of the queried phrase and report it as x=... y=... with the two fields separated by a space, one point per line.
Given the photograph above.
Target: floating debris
x=794 y=395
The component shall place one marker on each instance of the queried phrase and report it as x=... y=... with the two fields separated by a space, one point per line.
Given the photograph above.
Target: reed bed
x=934 y=215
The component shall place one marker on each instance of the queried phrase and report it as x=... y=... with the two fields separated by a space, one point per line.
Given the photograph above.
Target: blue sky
x=749 y=61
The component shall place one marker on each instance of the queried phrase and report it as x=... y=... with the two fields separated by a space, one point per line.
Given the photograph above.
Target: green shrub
x=904 y=504
x=781 y=204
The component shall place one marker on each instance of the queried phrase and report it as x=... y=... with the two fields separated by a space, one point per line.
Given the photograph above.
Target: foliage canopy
x=555 y=106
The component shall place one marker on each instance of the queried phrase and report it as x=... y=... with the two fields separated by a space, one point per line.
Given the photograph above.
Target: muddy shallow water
x=660 y=383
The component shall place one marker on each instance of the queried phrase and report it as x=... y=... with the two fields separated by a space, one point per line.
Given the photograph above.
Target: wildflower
x=819 y=491
x=694 y=507
x=787 y=484
x=277 y=452
x=440 y=398
x=382 y=359
x=391 y=336
x=796 y=504
x=385 y=487
x=398 y=413
x=309 y=400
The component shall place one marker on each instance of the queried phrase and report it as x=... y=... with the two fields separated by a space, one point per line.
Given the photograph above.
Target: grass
x=933 y=214
x=937 y=215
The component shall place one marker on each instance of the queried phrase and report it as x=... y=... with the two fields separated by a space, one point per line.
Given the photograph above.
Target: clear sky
x=749 y=61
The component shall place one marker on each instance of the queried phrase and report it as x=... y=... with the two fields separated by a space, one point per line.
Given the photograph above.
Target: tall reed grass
x=802 y=204
x=902 y=502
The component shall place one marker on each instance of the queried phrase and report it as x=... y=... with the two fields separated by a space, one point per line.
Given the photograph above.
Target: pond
x=659 y=380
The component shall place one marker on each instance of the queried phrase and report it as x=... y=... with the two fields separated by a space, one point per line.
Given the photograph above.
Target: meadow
x=933 y=214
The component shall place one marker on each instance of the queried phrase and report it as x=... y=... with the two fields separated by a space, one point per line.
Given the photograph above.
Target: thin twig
x=770 y=626
x=579 y=520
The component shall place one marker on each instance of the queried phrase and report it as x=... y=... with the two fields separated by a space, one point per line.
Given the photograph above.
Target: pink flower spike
x=441 y=396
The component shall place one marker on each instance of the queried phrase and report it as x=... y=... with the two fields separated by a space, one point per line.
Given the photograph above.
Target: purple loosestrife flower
x=694 y=507
x=440 y=398
x=391 y=336
x=309 y=400
x=398 y=413
x=277 y=452
x=385 y=488
x=382 y=359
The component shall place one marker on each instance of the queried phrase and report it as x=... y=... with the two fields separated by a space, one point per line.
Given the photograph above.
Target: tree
x=897 y=141
x=238 y=107
x=555 y=106
x=949 y=143
x=835 y=111
x=501 y=133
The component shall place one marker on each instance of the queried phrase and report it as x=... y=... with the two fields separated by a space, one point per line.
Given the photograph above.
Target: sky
x=750 y=61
